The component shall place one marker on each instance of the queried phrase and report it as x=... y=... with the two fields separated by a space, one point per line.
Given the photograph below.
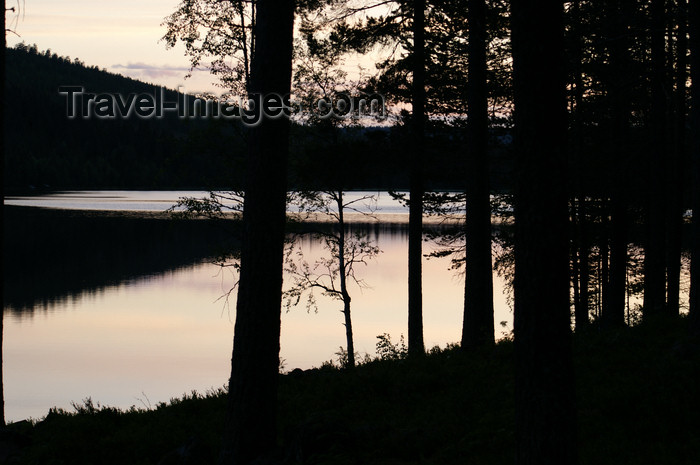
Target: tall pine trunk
x=580 y=243
x=604 y=247
x=694 y=23
x=477 y=327
x=415 y=222
x=342 y=271
x=575 y=261
x=654 y=255
x=545 y=410
x=582 y=316
x=2 y=213
x=677 y=161
x=618 y=43
x=251 y=429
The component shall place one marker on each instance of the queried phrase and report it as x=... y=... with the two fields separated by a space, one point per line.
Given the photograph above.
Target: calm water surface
x=142 y=339
x=151 y=200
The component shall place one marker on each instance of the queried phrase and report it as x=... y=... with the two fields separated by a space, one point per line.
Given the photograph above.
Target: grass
x=637 y=399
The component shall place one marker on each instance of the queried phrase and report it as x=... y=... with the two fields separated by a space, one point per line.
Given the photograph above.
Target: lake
x=127 y=310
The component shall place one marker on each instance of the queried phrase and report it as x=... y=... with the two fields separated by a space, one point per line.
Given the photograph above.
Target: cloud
x=151 y=71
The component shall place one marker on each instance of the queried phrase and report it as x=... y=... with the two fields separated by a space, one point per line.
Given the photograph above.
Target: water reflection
x=52 y=256
x=115 y=200
x=134 y=315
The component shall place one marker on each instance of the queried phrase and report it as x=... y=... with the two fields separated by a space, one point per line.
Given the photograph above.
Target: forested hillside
x=47 y=150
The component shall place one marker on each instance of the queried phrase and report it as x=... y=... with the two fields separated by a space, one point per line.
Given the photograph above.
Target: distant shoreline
x=349 y=217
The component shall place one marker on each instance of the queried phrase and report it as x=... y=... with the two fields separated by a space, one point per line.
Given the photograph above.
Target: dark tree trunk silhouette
x=415 y=222
x=576 y=265
x=694 y=22
x=580 y=250
x=582 y=316
x=677 y=160
x=545 y=410
x=617 y=38
x=604 y=247
x=251 y=418
x=343 y=280
x=614 y=307
x=654 y=255
x=2 y=211
x=477 y=328
x=580 y=243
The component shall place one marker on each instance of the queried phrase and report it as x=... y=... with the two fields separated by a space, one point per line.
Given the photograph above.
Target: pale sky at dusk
x=121 y=36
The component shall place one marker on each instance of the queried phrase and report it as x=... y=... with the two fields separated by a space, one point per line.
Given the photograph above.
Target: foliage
x=343 y=358
x=449 y=238
x=385 y=27
x=212 y=207
x=387 y=350
x=216 y=207
x=217 y=35
x=345 y=250
x=332 y=273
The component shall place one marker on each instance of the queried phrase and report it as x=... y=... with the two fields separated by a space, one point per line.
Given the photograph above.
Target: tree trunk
x=677 y=160
x=251 y=417
x=415 y=222
x=343 y=282
x=614 y=309
x=477 y=329
x=580 y=252
x=581 y=314
x=348 y=331
x=695 y=92
x=575 y=262
x=2 y=212
x=604 y=244
x=545 y=410
x=654 y=255
x=614 y=304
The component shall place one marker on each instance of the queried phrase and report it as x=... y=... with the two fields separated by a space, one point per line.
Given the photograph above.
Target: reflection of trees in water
x=52 y=256
x=598 y=270
x=448 y=240
x=55 y=256
x=634 y=293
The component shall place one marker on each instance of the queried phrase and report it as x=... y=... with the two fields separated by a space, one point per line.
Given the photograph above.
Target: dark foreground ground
x=637 y=389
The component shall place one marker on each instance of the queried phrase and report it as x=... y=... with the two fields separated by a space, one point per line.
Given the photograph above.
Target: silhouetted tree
x=415 y=221
x=617 y=37
x=228 y=40
x=2 y=213
x=676 y=156
x=694 y=23
x=251 y=416
x=477 y=326
x=654 y=255
x=332 y=274
x=580 y=242
x=433 y=57
x=545 y=411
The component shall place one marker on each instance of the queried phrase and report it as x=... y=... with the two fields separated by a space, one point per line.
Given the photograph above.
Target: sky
x=120 y=36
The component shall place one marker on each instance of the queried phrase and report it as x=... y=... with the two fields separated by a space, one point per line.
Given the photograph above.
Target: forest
x=583 y=115
x=174 y=153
